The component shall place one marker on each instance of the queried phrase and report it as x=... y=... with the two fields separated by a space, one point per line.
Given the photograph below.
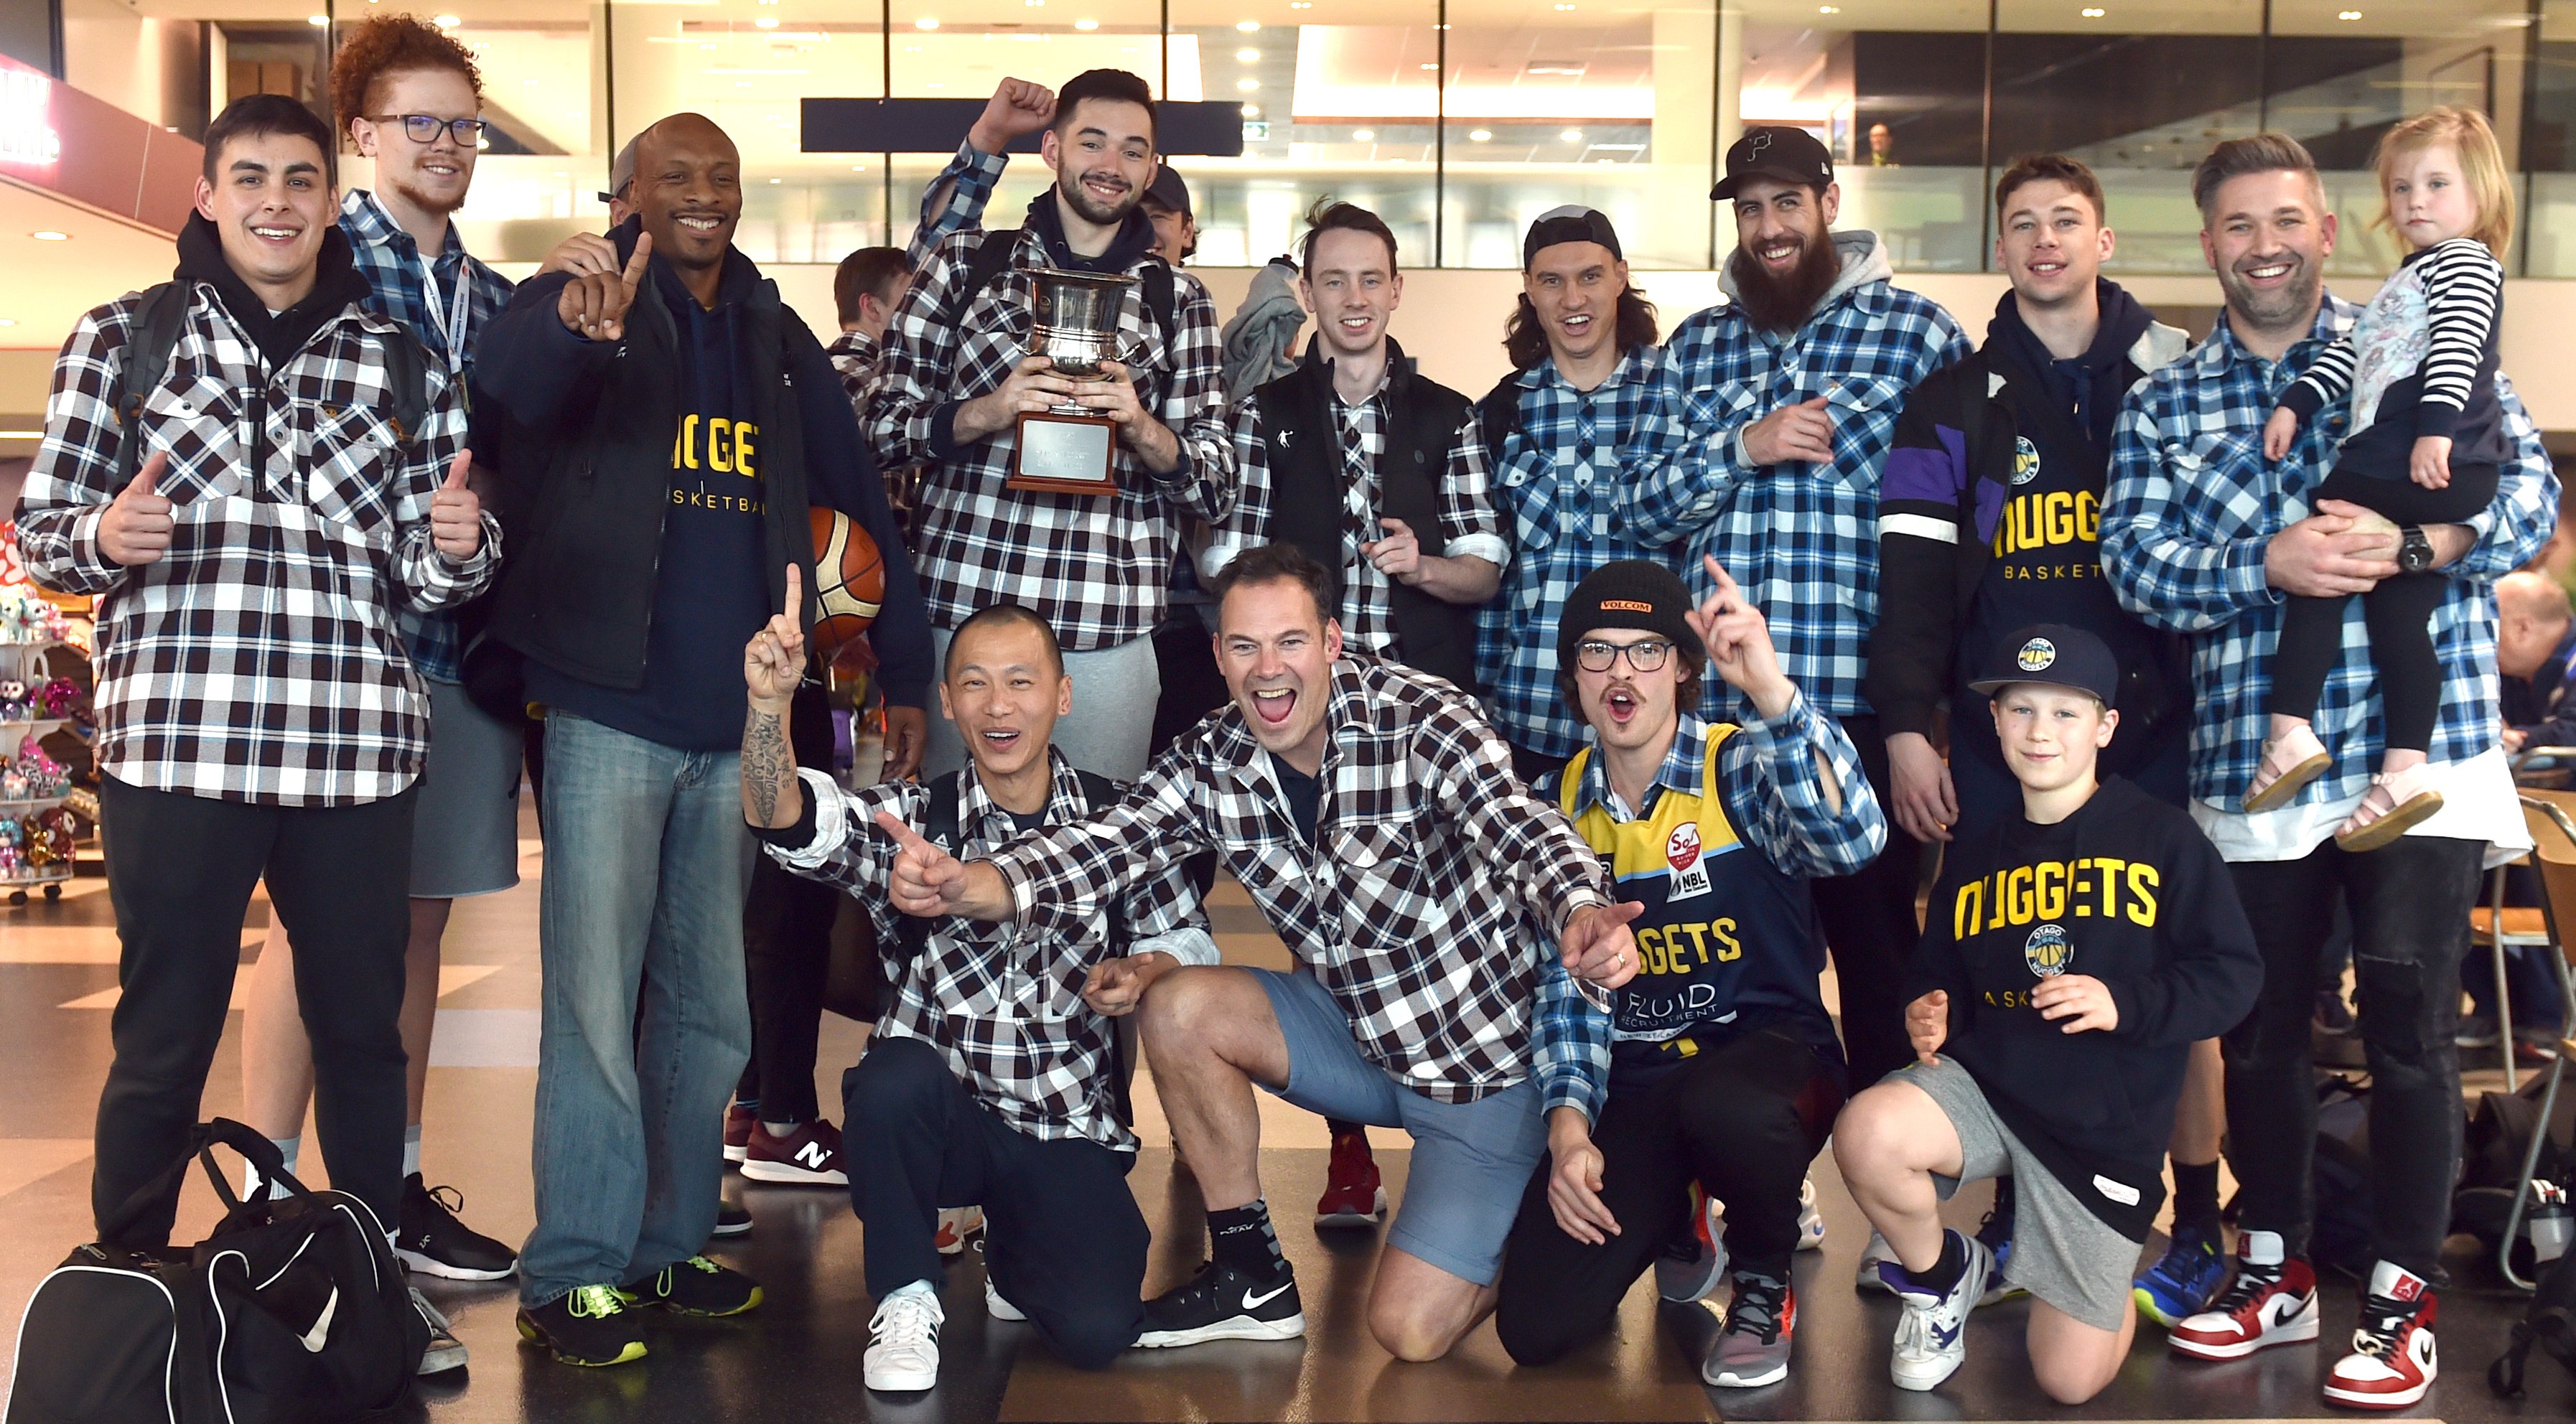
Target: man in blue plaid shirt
x=2201 y=534
x=1788 y=395
x=1575 y=421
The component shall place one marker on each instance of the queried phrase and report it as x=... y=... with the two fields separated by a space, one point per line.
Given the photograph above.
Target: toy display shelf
x=26 y=662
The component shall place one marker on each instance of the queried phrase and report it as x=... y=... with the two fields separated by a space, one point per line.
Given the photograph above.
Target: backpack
x=155 y=334
x=992 y=261
x=1498 y=416
x=294 y=1309
x=2549 y=1322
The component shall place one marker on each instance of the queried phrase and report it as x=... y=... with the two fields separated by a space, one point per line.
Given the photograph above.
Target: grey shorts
x=2061 y=1252
x=1471 y=1161
x=465 y=834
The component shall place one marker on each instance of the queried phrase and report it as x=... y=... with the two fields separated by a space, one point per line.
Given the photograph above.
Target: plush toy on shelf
x=14 y=704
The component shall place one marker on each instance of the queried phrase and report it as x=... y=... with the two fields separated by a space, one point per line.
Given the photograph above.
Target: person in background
x=2535 y=642
x=866 y=288
x=1882 y=146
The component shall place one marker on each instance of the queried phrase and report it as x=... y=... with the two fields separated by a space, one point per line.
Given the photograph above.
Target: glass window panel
x=542 y=161
x=2549 y=148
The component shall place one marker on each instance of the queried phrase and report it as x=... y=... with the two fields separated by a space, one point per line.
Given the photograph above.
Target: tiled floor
x=798 y=1358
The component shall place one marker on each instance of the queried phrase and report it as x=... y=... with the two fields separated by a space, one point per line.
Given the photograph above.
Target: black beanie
x=1630 y=593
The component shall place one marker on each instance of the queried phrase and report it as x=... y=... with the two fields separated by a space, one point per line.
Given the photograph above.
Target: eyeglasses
x=1645 y=655
x=423 y=128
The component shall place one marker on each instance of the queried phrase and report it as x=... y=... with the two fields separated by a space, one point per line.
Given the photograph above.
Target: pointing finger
x=905 y=836
x=795 y=592
x=633 y=276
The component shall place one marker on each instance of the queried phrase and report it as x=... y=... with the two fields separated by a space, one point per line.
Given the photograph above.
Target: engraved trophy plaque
x=1070 y=449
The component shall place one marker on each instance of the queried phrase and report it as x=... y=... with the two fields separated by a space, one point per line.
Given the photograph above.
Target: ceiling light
x=1252 y=111
x=49 y=235
x=1249 y=27
x=1431 y=66
x=766 y=22
x=1247 y=56
x=22 y=435
x=1247 y=85
x=319 y=22
x=1364 y=135
x=2348 y=14
x=1086 y=24
x=8 y=321
x=1301 y=4
x=774 y=180
x=926 y=22
x=2094 y=12
x=1829 y=9
x=446 y=22
x=1564 y=7
x=1480 y=135
x=1572 y=136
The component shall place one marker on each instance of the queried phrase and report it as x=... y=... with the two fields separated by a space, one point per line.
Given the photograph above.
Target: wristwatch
x=2414 y=551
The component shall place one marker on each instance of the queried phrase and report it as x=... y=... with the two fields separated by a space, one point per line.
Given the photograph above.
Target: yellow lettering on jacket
x=2053 y=890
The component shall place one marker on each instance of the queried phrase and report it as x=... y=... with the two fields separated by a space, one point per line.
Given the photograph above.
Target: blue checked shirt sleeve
x=2157 y=570
x=1571 y=1054
x=1768 y=774
x=2513 y=526
x=1687 y=475
x=968 y=181
x=429 y=578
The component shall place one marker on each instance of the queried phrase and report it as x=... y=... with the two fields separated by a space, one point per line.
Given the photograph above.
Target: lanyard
x=447 y=316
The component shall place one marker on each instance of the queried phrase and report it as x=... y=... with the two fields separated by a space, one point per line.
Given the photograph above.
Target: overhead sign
x=28 y=138
x=79 y=147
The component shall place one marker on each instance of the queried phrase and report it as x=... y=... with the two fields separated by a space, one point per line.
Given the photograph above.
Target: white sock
x=779 y=1129
x=287 y=1148
x=919 y=1287
x=411 y=1150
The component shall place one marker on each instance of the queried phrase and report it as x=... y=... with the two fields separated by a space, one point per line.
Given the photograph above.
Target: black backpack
x=2549 y=1323
x=992 y=260
x=155 y=334
x=293 y=1309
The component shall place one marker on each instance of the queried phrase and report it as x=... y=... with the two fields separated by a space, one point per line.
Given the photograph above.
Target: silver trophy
x=1070 y=449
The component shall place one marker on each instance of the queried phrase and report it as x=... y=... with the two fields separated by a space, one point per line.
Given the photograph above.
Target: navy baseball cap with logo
x=2051 y=653
x=1781 y=152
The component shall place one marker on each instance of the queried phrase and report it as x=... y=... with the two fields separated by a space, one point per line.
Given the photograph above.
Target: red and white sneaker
x=1352 y=1195
x=956 y=1223
x=2392 y=1362
x=2272 y=1301
x=808 y=1157
x=739 y=1121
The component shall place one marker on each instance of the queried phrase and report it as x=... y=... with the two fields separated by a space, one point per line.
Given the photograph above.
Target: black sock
x=2196 y=1195
x=1241 y=1237
x=1945 y=1273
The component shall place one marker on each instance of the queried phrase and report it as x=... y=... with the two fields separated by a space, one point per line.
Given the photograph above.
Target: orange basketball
x=849 y=579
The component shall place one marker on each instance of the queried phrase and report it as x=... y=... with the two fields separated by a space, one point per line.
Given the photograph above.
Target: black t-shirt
x=1033 y=821
x=1305 y=797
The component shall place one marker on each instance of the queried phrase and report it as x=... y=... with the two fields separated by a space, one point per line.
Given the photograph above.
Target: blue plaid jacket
x=1558 y=519
x=1765 y=773
x=1800 y=538
x=390 y=260
x=2192 y=505
x=973 y=176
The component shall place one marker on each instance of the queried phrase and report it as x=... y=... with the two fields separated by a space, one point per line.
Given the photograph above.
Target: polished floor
x=798 y=1357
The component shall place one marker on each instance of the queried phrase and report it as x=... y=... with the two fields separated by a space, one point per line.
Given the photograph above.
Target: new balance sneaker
x=1996 y=1232
x=1931 y=1336
x=696 y=1286
x=1752 y=1348
x=587 y=1325
x=1222 y=1303
x=1353 y=1195
x=956 y=1223
x=2392 y=1362
x=1865 y=1276
x=999 y=1308
x=430 y=1240
x=732 y=1220
x=1691 y=1265
x=2185 y=1279
x=808 y=1157
x=1811 y=1222
x=903 y=1342
x=740 y=1119
x=445 y=1352
x=2273 y=1301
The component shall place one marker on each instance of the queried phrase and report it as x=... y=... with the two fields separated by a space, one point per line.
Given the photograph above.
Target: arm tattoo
x=768 y=764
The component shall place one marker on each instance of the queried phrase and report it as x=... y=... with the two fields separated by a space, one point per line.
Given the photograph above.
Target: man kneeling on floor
x=992 y=1076
x=1717 y=1065
x=1375 y=819
x=2073 y=955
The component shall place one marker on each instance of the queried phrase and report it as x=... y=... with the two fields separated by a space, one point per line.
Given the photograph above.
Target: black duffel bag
x=293 y=1310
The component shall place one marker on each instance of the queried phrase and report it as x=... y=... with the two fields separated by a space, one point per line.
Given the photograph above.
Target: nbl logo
x=2036 y=655
x=2047 y=952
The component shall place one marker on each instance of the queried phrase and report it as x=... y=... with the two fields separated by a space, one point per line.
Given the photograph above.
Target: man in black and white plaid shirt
x=253 y=534
x=1375 y=819
x=955 y=376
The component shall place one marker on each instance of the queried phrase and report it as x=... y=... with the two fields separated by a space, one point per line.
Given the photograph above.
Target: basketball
x=849 y=579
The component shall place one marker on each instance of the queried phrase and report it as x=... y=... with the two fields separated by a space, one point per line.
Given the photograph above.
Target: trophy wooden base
x=1064 y=454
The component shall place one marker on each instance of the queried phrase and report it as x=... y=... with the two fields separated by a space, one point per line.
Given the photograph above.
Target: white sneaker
x=1865 y=1276
x=1931 y=1337
x=903 y=1342
x=997 y=1307
x=1811 y=1223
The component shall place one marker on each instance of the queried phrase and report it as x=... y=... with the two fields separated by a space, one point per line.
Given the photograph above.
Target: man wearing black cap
x=1716 y=1065
x=1787 y=395
x=2075 y=953
x=1573 y=422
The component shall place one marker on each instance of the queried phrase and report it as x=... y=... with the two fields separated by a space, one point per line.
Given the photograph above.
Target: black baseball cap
x=2055 y=654
x=1168 y=190
x=1778 y=151
x=1625 y=593
x=1571 y=223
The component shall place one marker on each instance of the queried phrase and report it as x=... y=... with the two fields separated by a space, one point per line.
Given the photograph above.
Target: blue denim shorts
x=1471 y=1161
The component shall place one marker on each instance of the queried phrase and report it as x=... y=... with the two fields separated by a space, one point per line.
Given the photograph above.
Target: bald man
x=2535 y=633
x=663 y=427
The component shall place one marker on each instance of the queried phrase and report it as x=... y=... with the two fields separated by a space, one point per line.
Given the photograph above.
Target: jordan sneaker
x=2185 y=1279
x=956 y=1223
x=740 y=1119
x=1691 y=1265
x=1752 y=1349
x=1353 y=1195
x=808 y=1157
x=1931 y=1336
x=2273 y=1301
x=2392 y=1362
x=1222 y=1303
x=903 y=1343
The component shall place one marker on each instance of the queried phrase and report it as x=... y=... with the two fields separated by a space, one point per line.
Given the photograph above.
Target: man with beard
x=1788 y=396
x=665 y=428
x=956 y=375
x=2201 y=534
x=411 y=97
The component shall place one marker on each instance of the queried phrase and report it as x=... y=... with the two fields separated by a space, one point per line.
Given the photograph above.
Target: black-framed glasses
x=423 y=128
x=1645 y=655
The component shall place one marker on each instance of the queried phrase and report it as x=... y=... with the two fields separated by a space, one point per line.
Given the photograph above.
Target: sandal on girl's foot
x=2396 y=801
x=2290 y=761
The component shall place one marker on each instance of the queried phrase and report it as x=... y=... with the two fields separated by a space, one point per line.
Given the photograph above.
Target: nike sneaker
x=2392 y=1362
x=1222 y=1303
x=2273 y=1301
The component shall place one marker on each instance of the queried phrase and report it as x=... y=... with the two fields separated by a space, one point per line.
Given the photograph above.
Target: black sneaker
x=696 y=1286
x=588 y=1325
x=732 y=1220
x=1222 y=1303
x=433 y=1242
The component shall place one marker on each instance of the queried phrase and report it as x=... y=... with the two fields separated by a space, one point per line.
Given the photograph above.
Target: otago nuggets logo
x=2025 y=460
x=2047 y=951
x=2036 y=655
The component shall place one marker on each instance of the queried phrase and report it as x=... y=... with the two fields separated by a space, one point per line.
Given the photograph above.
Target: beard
x=1783 y=303
x=1091 y=209
x=2288 y=306
x=437 y=204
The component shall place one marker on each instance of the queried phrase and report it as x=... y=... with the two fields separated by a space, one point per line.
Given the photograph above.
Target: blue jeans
x=647 y=1022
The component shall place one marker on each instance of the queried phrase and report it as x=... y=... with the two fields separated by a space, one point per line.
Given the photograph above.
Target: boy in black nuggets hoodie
x=2072 y=956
